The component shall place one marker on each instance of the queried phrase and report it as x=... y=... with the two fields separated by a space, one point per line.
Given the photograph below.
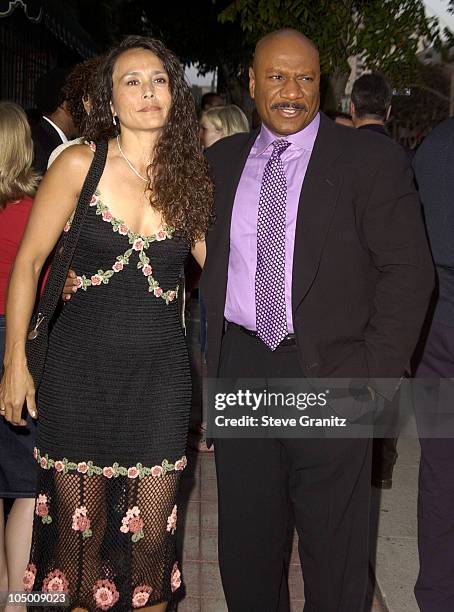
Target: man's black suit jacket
x=45 y=139
x=362 y=270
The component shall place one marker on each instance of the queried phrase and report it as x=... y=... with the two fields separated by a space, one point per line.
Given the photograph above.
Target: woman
x=18 y=184
x=220 y=121
x=115 y=396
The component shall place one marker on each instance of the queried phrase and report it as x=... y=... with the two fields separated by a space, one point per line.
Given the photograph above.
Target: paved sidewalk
x=395 y=552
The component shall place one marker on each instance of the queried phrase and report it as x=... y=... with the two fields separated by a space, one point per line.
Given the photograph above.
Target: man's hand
x=70 y=286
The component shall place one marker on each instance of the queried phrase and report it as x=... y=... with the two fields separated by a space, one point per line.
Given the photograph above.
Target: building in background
x=36 y=36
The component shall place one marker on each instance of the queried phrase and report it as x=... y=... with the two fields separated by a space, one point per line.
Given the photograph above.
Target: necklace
x=128 y=162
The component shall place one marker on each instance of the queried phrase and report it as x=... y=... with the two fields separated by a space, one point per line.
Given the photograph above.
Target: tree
x=386 y=33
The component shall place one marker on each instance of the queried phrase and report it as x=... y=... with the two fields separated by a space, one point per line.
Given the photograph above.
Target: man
x=370 y=108
x=317 y=265
x=370 y=104
x=56 y=125
x=434 y=165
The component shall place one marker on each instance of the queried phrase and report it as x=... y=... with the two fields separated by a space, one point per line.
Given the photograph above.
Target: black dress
x=113 y=417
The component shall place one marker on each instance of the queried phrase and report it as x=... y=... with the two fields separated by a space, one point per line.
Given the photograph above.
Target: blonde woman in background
x=220 y=121
x=18 y=184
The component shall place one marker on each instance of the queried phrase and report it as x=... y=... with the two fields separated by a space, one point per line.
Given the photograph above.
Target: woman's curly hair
x=178 y=175
x=80 y=84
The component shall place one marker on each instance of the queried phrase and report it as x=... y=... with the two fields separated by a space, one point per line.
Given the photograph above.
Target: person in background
x=56 y=125
x=341 y=118
x=220 y=121
x=18 y=183
x=215 y=123
x=370 y=108
x=433 y=167
x=210 y=99
x=78 y=91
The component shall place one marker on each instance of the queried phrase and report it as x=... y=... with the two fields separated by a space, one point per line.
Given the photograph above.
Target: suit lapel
x=316 y=207
x=218 y=239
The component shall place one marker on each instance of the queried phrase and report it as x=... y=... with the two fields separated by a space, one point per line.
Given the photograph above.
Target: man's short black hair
x=48 y=90
x=372 y=95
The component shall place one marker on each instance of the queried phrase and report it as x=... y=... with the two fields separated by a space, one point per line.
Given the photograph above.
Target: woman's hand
x=16 y=388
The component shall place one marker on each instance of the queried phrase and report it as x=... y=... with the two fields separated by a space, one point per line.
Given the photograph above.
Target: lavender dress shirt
x=240 y=298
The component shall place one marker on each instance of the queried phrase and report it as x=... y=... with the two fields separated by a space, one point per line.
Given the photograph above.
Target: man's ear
x=251 y=82
x=65 y=108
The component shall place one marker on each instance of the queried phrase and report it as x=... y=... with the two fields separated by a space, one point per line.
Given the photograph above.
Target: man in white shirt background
x=56 y=125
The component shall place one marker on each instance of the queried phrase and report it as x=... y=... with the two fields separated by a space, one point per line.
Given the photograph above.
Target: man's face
x=285 y=83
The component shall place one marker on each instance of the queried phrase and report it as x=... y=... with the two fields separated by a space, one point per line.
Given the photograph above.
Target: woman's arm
x=54 y=202
x=199 y=252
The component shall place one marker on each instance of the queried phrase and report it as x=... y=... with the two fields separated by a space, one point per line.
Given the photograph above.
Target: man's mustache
x=289 y=105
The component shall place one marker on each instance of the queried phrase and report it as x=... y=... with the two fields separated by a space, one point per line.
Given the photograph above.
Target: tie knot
x=280 y=146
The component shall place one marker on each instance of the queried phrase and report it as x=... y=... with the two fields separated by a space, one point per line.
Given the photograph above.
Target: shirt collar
x=304 y=139
x=60 y=132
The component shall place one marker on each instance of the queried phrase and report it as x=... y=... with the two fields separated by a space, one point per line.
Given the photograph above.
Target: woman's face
x=141 y=95
x=209 y=134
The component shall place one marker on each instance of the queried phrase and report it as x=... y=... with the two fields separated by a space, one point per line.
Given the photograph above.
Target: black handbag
x=38 y=336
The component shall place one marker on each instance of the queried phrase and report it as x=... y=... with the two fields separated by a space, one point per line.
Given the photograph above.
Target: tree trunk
x=333 y=89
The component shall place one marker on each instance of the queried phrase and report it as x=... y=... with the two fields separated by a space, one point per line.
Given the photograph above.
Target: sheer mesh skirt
x=104 y=536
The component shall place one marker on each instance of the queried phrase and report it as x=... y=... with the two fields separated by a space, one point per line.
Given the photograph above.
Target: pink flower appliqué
x=42 y=509
x=157 y=292
x=67 y=227
x=132 y=522
x=107 y=215
x=59 y=466
x=94 y=200
x=105 y=594
x=118 y=266
x=35 y=453
x=141 y=595
x=175 y=578
x=108 y=472
x=81 y=522
x=172 y=520
x=123 y=229
x=55 y=582
x=79 y=282
x=147 y=270
x=161 y=235
x=43 y=462
x=138 y=245
x=29 y=577
x=96 y=279
x=133 y=472
x=82 y=467
x=156 y=470
x=180 y=464
x=171 y=296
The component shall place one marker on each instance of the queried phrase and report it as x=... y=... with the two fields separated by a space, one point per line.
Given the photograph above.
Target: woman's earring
x=114 y=120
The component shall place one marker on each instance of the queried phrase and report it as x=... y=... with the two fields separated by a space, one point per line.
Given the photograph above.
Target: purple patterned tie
x=271 y=314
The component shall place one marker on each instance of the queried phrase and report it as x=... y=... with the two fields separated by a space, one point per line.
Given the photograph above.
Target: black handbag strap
x=66 y=247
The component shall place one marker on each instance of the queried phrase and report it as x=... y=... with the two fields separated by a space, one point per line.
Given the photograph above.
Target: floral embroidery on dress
x=87 y=467
x=29 y=577
x=175 y=578
x=138 y=244
x=141 y=595
x=172 y=520
x=42 y=509
x=133 y=523
x=81 y=522
x=105 y=594
x=55 y=582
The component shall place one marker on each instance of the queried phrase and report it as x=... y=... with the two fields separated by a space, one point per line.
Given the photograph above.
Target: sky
x=436 y=8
